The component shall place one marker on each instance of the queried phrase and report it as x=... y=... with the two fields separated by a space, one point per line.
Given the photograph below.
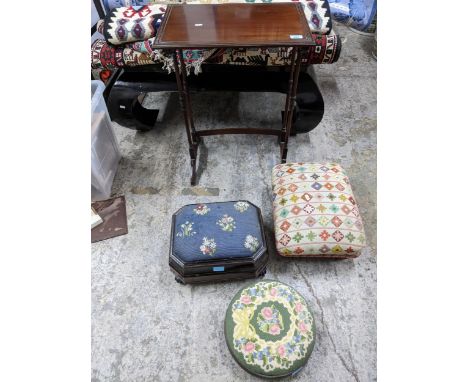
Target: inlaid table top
x=233 y=25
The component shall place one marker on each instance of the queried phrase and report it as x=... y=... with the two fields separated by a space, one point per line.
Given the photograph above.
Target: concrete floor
x=145 y=326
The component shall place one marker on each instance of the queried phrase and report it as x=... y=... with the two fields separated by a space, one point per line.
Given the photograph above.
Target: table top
x=233 y=25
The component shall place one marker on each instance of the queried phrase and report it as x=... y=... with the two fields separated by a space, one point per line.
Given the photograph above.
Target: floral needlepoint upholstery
x=269 y=329
x=315 y=211
x=218 y=239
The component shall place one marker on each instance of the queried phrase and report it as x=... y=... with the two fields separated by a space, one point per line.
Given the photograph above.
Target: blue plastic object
x=357 y=14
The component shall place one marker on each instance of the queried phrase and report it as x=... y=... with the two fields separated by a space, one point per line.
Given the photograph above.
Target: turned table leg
x=186 y=105
x=290 y=102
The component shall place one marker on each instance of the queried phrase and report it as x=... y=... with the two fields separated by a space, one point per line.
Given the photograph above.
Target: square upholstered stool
x=217 y=241
x=315 y=212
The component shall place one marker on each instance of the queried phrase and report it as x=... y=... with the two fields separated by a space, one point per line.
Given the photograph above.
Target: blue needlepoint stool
x=217 y=241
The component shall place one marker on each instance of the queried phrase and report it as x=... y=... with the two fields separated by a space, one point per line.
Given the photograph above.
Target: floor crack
x=350 y=370
x=261 y=161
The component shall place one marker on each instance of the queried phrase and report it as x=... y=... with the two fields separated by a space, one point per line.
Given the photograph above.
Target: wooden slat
x=111 y=82
x=99 y=8
x=204 y=133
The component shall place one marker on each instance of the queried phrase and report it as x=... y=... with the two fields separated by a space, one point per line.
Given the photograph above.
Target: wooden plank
x=233 y=25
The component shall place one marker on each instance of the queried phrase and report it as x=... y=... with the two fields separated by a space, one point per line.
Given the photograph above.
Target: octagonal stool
x=315 y=212
x=218 y=241
x=269 y=329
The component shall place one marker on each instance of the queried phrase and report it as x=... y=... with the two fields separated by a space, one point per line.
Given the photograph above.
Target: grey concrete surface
x=145 y=326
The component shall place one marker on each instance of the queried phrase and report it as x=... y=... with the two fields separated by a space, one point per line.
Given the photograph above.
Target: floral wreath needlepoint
x=269 y=329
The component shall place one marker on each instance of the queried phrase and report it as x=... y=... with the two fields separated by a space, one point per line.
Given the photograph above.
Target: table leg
x=185 y=103
x=290 y=102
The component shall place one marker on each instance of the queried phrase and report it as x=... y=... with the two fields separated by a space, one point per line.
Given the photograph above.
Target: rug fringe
x=168 y=62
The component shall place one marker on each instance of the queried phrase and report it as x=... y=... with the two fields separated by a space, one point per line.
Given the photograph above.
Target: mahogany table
x=205 y=26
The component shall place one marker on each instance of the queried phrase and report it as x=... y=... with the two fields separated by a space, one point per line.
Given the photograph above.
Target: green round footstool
x=269 y=329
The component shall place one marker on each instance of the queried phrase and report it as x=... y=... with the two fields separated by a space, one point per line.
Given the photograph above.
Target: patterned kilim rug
x=129 y=33
x=107 y=56
x=317 y=12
